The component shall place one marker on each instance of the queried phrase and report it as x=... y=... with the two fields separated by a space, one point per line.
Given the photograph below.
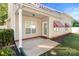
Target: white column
x=50 y=26
x=20 y=26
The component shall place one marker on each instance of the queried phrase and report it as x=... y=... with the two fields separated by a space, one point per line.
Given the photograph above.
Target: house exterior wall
x=45 y=19
x=52 y=32
x=38 y=27
x=66 y=19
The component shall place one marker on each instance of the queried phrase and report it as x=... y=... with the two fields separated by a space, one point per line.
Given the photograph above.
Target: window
x=30 y=27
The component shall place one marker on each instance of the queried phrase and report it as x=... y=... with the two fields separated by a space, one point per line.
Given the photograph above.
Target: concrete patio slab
x=37 y=46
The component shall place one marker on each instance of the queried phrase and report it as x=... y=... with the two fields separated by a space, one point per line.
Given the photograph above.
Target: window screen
x=30 y=27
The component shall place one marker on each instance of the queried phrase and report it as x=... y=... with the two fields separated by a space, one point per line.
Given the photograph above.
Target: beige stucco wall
x=54 y=32
x=38 y=27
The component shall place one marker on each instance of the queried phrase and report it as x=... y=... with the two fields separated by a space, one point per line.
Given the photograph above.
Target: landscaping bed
x=7 y=52
x=7 y=43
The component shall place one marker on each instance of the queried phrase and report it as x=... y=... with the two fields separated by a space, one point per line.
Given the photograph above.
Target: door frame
x=44 y=22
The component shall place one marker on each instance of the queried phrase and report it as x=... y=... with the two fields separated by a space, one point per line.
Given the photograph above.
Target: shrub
x=6 y=37
x=7 y=52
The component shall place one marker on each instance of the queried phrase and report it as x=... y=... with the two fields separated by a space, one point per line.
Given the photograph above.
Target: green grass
x=72 y=41
x=65 y=51
x=70 y=46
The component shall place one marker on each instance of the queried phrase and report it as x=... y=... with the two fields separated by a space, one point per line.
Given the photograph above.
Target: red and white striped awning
x=58 y=24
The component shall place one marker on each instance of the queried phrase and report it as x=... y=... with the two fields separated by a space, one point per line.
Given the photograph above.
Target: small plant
x=7 y=52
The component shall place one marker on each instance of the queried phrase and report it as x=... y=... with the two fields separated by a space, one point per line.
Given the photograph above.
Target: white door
x=44 y=28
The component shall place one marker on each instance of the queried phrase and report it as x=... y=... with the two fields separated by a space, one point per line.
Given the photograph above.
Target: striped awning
x=58 y=24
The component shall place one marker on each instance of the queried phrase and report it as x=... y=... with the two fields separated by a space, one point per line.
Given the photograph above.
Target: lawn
x=72 y=41
x=70 y=47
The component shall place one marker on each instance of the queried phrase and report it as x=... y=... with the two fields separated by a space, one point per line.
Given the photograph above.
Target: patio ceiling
x=31 y=14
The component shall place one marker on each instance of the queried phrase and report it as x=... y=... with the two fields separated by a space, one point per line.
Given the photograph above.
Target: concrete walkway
x=37 y=46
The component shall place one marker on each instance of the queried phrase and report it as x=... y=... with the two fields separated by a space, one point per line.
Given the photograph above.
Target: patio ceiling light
x=33 y=15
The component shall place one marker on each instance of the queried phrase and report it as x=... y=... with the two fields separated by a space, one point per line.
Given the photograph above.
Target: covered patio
x=39 y=22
